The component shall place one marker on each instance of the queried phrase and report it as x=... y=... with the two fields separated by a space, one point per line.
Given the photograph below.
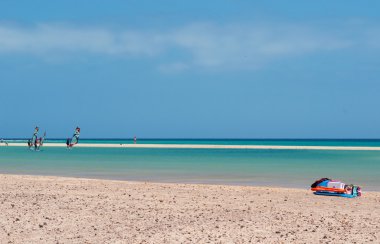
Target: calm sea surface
x=288 y=168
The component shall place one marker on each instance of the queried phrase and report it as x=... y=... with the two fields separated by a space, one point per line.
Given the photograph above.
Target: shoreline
x=39 y=209
x=158 y=182
x=115 y=181
x=203 y=146
x=221 y=183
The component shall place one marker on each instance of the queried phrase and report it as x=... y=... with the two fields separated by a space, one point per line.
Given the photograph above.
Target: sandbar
x=203 y=146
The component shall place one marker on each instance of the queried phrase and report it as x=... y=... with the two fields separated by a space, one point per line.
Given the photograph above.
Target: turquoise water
x=289 y=168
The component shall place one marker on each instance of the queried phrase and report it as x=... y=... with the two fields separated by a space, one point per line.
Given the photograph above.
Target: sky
x=190 y=69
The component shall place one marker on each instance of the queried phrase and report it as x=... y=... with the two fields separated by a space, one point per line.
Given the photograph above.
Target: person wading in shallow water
x=34 y=140
x=3 y=141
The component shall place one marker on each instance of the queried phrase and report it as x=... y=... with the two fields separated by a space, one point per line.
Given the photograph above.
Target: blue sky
x=199 y=69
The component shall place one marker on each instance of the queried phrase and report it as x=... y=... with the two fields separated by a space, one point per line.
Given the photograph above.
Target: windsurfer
x=75 y=139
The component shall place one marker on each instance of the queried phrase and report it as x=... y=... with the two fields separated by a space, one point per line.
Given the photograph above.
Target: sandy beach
x=41 y=209
x=202 y=146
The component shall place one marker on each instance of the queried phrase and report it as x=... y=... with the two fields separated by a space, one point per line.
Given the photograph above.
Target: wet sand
x=40 y=209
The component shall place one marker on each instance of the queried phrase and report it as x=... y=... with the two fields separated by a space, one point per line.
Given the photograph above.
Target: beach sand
x=41 y=209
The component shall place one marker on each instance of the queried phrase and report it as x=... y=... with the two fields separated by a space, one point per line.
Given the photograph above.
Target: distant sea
x=283 y=168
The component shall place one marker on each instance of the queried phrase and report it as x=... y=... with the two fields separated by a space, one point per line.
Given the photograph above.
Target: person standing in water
x=34 y=137
x=134 y=140
x=76 y=134
x=3 y=141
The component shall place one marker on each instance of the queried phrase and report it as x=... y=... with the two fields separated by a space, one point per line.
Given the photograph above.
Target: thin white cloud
x=50 y=39
x=199 y=45
x=173 y=67
x=252 y=45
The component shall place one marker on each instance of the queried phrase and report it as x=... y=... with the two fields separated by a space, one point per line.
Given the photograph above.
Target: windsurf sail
x=75 y=139
x=41 y=140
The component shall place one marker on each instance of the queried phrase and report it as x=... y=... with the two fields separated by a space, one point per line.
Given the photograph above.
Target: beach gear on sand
x=328 y=187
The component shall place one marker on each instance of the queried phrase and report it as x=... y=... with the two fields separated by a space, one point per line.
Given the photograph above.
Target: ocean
x=283 y=168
